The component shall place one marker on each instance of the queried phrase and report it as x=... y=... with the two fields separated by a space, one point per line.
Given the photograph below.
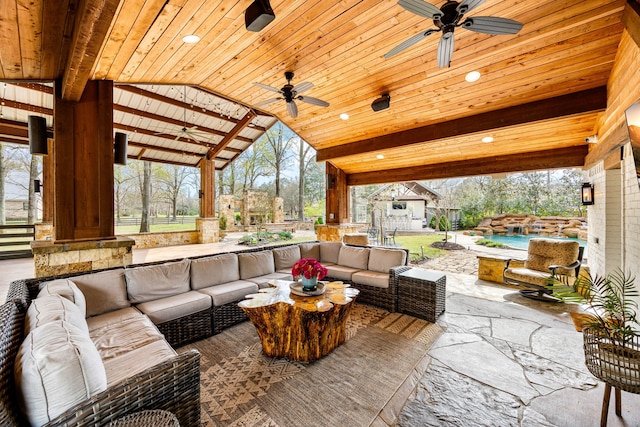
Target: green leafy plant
x=611 y=300
x=223 y=223
x=490 y=243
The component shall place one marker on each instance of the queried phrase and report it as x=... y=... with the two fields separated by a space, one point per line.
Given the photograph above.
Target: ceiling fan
x=290 y=93
x=447 y=19
x=191 y=132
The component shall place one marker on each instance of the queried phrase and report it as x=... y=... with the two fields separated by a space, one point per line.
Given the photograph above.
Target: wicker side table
x=422 y=293
x=148 y=418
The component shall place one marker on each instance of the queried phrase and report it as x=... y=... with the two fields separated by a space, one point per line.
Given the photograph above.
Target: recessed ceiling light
x=487 y=139
x=472 y=76
x=191 y=38
x=379 y=157
x=344 y=116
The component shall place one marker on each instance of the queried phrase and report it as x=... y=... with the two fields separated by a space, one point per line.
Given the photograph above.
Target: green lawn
x=414 y=244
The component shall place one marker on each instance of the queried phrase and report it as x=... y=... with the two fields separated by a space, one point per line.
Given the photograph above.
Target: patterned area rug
x=241 y=387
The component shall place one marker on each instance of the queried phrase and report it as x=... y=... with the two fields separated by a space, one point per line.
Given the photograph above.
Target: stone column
x=208 y=230
x=227 y=206
x=277 y=213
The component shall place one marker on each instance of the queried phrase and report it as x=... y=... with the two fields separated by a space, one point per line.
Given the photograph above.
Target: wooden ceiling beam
x=13 y=128
x=569 y=157
x=91 y=27
x=580 y=102
x=176 y=102
x=176 y=122
x=233 y=134
x=631 y=20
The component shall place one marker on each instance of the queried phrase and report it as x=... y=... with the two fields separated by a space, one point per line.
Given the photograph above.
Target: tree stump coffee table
x=300 y=328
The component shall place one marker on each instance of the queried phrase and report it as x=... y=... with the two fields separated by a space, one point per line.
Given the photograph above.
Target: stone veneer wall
x=56 y=258
x=173 y=238
x=334 y=233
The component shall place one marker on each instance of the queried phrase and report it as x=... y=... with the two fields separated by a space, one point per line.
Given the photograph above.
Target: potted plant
x=611 y=331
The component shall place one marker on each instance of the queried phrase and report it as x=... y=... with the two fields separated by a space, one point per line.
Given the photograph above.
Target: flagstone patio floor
x=503 y=360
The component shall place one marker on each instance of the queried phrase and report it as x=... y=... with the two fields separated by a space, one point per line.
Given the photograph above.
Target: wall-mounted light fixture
x=258 y=15
x=37 y=135
x=331 y=182
x=120 y=148
x=200 y=194
x=37 y=186
x=587 y=193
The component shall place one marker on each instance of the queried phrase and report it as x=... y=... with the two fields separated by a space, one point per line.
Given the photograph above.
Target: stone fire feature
x=54 y=258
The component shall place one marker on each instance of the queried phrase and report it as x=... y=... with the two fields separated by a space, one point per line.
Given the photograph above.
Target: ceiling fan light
x=258 y=15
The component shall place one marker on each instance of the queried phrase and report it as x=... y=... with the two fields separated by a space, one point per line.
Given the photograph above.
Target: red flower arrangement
x=309 y=268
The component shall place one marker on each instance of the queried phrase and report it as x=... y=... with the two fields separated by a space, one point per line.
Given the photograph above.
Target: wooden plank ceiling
x=540 y=92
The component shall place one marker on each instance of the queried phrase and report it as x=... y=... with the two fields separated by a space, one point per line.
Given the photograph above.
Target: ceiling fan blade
x=445 y=51
x=420 y=7
x=293 y=109
x=467 y=5
x=301 y=87
x=267 y=102
x=492 y=25
x=313 y=101
x=409 y=42
x=267 y=87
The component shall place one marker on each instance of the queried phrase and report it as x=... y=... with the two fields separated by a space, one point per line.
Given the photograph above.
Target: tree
x=251 y=167
x=172 y=179
x=145 y=192
x=121 y=180
x=305 y=157
x=278 y=142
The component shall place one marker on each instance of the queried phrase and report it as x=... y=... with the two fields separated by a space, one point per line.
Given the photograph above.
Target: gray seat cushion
x=230 y=292
x=171 y=308
x=263 y=281
x=340 y=272
x=371 y=278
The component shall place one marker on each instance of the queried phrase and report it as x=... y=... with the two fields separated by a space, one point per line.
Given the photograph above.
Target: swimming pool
x=521 y=241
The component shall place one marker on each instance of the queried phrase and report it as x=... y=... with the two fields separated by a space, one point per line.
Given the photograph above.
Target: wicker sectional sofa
x=88 y=348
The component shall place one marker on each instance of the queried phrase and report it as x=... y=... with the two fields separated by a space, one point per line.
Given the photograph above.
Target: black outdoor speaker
x=258 y=15
x=120 y=148
x=37 y=135
x=381 y=103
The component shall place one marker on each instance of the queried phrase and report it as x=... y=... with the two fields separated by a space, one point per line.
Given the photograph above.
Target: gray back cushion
x=104 y=291
x=329 y=251
x=383 y=259
x=153 y=282
x=214 y=270
x=284 y=258
x=354 y=257
x=310 y=250
x=255 y=264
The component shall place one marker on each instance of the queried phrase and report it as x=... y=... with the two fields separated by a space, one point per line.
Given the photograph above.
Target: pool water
x=521 y=241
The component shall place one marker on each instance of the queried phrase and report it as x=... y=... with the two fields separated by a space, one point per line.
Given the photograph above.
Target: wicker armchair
x=546 y=260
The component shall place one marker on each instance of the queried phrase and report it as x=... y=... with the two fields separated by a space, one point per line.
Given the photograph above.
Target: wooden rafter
x=549 y=159
x=90 y=30
x=233 y=134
